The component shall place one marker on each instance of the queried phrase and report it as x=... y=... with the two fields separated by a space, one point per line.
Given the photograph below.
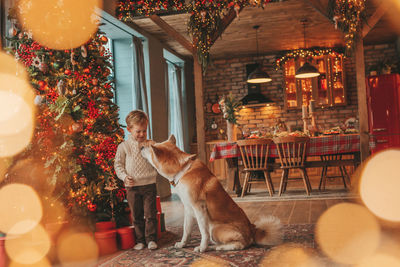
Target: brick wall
x=229 y=75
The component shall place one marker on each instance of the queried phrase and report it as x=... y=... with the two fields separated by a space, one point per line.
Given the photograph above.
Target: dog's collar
x=180 y=174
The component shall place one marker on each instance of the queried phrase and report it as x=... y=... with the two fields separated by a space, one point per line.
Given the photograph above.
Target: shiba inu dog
x=219 y=218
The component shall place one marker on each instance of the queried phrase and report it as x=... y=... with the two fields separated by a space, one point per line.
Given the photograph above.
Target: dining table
x=318 y=148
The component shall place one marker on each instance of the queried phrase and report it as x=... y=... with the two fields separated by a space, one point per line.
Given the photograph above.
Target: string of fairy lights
x=206 y=16
x=307 y=53
x=347 y=16
x=334 y=58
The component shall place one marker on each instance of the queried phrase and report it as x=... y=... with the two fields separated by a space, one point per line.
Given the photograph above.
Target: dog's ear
x=192 y=156
x=188 y=157
x=172 y=139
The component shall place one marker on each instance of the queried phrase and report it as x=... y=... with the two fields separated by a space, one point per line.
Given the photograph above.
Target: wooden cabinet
x=328 y=89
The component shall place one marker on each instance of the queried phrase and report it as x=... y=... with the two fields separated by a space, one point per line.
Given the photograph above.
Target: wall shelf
x=328 y=89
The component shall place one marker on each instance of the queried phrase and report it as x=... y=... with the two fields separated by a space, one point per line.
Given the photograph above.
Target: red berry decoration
x=104 y=39
x=67 y=72
x=41 y=84
x=106 y=72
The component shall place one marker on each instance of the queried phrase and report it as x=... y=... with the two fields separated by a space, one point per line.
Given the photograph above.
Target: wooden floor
x=288 y=211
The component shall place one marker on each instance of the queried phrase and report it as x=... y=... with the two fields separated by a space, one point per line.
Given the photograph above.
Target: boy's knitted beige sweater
x=129 y=162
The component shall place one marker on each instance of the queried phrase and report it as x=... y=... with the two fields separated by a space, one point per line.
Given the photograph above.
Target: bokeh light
x=61 y=24
x=207 y=263
x=74 y=247
x=42 y=263
x=380 y=259
x=13 y=144
x=291 y=254
x=16 y=114
x=379 y=184
x=31 y=171
x=348 y=233
x=30 y=247
x=53 y=210
x=9 y=65
x=20 y=209
x=17 y=108
x=4 y=164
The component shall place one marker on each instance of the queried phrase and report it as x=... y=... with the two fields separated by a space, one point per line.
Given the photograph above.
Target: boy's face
x=138 y=132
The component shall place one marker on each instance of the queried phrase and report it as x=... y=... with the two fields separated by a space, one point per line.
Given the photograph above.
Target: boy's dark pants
x=142 y=202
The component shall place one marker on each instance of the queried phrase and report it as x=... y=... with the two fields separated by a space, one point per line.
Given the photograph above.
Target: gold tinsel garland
x=347 y=16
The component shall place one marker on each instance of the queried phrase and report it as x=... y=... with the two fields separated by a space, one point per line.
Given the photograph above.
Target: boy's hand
x=129 y=181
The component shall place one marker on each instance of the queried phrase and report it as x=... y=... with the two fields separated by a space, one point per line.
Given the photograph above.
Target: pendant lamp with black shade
x=258 y=75
x=307 y=70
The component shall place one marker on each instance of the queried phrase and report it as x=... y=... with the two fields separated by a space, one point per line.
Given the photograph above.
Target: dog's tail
x=268 y=231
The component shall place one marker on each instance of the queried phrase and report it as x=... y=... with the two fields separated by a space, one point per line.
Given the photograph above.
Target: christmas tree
x=77 y=129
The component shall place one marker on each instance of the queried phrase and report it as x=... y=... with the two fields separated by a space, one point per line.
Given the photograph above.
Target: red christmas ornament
x=41 y=84
x=82 y=180
x=92 y=207
x=86 y=70
x=95 y=81
x=67 y=72
x=106 y=72
x=104 y=39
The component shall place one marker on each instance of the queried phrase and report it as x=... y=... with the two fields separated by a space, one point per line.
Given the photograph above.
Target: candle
x=304 y=111
x=312 y=106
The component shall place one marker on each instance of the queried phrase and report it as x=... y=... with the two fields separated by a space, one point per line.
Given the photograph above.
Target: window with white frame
x=128 y=71
x=176 y=93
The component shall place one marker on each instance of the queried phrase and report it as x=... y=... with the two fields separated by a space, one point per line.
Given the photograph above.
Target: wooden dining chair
x=254 y=154
x=324 y=174
x=292 y=155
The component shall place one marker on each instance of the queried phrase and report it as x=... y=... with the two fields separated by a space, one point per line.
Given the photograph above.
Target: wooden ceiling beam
x=319 y=7
x=374 y=18
x=226 y=21
x=173 y=33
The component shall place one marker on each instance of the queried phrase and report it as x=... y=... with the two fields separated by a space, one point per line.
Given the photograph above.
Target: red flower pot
x=106 y=241
x=105 y=226
x=125 y=237
x=3 y=255
x=158 y=225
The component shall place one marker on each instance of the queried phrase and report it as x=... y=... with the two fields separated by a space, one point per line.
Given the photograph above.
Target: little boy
x=140 y=180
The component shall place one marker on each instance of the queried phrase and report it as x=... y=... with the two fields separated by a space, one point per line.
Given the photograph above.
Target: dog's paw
x=200 y=249
x=179 y=245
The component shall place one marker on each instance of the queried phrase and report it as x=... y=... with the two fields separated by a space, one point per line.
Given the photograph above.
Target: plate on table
x=331 y=133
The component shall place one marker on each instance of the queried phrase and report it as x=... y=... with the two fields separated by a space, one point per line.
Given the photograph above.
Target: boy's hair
x=137 y=117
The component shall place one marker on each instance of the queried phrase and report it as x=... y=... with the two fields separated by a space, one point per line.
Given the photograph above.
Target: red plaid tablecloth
x=317 y=146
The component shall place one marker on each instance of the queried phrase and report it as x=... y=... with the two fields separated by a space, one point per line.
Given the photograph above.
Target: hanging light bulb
x=258 y=75
x=307 y=70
